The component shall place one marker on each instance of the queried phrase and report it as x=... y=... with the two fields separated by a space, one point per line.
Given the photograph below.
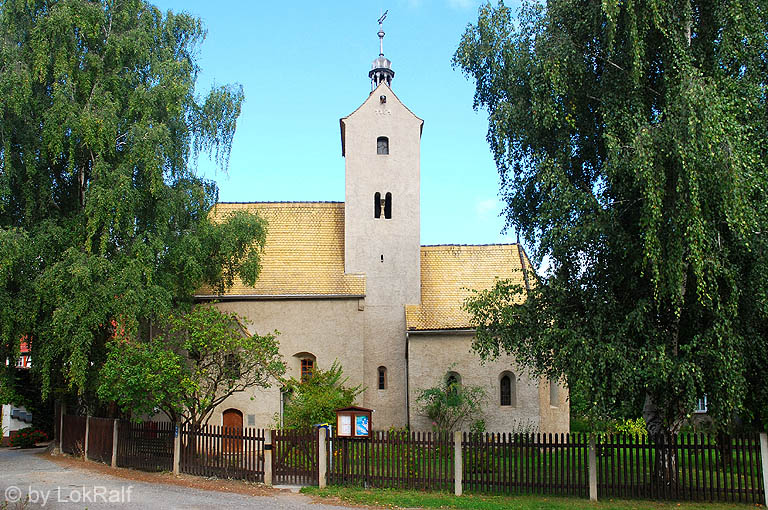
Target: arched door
x=233 y=425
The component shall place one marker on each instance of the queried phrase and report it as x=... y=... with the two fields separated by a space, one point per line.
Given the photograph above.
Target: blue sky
x=304 y=65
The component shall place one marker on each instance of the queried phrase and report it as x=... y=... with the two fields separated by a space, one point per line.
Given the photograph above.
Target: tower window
x=388 y=206
x=382 y=378
x=382 y=145
x=377 y=205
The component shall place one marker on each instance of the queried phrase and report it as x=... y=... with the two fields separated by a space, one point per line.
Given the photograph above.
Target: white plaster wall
x=431 y=356
x=385 y=346
x=397 y=279
x=329 y=329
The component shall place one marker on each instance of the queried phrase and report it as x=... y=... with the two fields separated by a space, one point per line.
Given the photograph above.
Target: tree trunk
x=663 y=434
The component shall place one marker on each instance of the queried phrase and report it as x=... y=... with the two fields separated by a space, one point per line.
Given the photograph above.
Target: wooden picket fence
x=526 y=463
x=223 y=452
x=147 y=446
x=406 y=460
x=687 y=467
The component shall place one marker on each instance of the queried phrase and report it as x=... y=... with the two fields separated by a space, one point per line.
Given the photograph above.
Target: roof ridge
x=282 y=202
x=467 y=245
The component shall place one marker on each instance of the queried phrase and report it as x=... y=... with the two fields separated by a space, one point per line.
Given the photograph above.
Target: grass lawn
x=416 y=499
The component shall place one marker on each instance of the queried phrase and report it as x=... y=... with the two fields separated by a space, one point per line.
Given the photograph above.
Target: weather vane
x=381 y=33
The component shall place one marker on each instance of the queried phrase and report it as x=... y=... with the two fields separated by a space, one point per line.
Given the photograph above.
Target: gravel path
x=24 y=474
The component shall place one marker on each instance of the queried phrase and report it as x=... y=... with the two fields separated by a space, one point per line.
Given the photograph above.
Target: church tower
x=381 y=145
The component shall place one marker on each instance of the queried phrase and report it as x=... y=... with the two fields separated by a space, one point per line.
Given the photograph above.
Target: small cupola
x=381 y=68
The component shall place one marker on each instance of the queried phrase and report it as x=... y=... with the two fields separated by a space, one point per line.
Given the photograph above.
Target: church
x=350 y=281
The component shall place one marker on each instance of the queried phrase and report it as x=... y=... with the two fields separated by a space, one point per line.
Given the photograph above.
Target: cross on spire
x=381 y=68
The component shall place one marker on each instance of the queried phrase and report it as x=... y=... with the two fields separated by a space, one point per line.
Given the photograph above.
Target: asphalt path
x=30 y=481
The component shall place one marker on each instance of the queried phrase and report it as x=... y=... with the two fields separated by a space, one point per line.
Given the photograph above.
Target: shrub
x=27 y=437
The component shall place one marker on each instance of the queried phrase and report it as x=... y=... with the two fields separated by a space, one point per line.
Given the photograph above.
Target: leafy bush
x=316 y=399
x=450 y=405
x=27 y=437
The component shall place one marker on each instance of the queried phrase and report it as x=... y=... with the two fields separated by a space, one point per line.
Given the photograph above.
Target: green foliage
x=102 y=214
x=315 y=399
x=450 y=405
x=630 y=138
x=27 y=437
x=632 y=427
x=199 y=359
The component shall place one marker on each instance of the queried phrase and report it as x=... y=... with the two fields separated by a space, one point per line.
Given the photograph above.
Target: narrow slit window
x=506 y=391
x=388 y=206
x=382 y=145
x=382 y=378
x=377 y=205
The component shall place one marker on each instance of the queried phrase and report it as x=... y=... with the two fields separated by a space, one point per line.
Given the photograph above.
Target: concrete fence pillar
x=592 y=469
x=322 y=457
x=176 y=448
x=458 y=464
x=268 y=457
x=87 y=433
x=764 y=460
x=115 y=425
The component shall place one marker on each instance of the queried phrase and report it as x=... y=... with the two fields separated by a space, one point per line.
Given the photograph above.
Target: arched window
x=382 y=145
x=554 y=393
x=507 y=389
x=452 y=382
x=382 y=378
x=377 y=205
x=306 y=364
x=388 y=206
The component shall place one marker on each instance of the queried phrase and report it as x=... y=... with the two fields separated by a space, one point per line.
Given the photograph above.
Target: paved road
x=50 y=485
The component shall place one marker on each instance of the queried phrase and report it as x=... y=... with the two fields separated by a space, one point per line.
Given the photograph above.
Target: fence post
x=457 y=464
x=268 y=457
x=322 y=459
x=115 y=425
x=176 y=448
x=87 y=427
x=764 y=459
x=61 y=427
x=592 y=469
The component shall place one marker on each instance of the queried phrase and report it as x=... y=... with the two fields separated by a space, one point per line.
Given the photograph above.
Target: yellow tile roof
x=447 y=274
x=304 y=252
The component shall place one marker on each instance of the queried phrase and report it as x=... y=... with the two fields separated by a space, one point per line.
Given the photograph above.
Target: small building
x=350 y=281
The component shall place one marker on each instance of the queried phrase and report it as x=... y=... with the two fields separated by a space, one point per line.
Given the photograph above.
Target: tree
x=450 y=404
x=101 y=213
x=315 y=399
x=630 y=138
x=199 y=359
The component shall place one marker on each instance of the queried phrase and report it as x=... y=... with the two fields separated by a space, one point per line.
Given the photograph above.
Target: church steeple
x=381 y=68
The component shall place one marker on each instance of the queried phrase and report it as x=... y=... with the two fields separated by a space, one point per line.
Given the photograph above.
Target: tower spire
x=381 y=68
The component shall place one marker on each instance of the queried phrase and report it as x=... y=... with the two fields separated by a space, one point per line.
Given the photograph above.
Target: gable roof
x=382 y=87
x=447 y=274
x=303 y=255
